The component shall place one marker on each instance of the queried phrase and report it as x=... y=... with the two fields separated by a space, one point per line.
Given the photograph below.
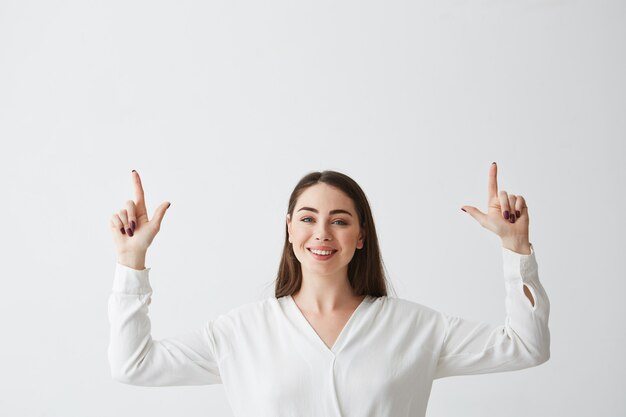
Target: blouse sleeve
x=523 y=341
x=135 y=358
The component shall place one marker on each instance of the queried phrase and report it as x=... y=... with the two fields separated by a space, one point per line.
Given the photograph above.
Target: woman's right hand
x=132 y=231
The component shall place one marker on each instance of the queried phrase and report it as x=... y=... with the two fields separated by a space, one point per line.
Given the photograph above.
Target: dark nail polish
x=512 y=218
x=130 y=232
x=168 y=206
x=464 y=210
x=123 y=232
x=132 y=225
x=518 y=213
x=506 y=214
x=134 y=170
x=493 y=163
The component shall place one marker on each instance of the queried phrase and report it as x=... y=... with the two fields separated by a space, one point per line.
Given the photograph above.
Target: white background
x=223 y=106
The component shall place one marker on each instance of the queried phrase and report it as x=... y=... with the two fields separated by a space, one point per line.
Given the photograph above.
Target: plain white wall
x=223 y=106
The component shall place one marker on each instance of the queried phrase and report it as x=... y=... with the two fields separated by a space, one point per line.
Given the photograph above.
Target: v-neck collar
x=312 y=334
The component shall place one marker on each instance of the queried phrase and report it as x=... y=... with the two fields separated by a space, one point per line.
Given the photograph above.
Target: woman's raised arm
x=134 y=357
x=471 y=347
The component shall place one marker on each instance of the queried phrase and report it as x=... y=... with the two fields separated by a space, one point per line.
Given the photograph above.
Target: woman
x=330 y=343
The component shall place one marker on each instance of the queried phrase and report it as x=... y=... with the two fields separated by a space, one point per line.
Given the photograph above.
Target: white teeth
x=321 y=252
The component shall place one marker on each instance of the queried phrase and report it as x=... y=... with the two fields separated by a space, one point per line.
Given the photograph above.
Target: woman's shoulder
x=258 y=307
x=403 y=306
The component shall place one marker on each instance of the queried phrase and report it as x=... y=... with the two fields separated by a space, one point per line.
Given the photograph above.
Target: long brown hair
x=366 y=269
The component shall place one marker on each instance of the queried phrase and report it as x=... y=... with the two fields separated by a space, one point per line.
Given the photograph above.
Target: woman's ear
x=289 y=227
x=361 y=242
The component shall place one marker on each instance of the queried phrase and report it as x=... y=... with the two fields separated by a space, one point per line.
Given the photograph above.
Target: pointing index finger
x=139 y=196
x=492 y=189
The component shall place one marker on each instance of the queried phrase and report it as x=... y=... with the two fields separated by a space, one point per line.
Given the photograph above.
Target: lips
x=325 y=250
x=322 y=257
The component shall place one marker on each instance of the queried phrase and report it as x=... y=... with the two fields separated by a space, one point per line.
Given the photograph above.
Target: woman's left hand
x=507 y=214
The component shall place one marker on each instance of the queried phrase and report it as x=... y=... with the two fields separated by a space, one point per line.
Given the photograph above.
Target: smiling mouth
x=321 y=257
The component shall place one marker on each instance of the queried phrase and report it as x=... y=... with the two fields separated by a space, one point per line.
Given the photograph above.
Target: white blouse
x=272 y=362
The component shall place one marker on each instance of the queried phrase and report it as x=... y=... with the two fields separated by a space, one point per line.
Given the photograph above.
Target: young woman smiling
x=330 y=342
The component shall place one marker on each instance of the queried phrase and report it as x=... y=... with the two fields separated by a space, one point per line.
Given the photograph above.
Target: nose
x=322 y=233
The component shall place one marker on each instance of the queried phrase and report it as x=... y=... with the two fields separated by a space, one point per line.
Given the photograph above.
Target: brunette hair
x=366 y=269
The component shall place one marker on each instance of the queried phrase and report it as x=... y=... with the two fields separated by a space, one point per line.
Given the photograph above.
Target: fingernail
x=512 y=218
x=134 y=170
x=132 y=225
x=506 y=214
x=518 y=213
x=168 y=205
x=123 y=232
x=130 y=232
x=464 y=210
x=493 y=163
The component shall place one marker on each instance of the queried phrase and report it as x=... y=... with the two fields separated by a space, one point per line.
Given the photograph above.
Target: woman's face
x=313 y=225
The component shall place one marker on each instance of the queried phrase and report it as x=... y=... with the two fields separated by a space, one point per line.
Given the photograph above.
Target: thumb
x=159 y=213
x=476 y=214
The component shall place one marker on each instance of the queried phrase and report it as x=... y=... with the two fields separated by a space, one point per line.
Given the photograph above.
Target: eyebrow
x=330 y=212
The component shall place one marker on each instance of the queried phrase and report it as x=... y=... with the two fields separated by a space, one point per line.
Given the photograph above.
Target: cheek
x=297 y=238
x=299 y=232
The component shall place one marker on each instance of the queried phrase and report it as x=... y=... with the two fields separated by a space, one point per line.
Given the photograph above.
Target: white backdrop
x=223 y=106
